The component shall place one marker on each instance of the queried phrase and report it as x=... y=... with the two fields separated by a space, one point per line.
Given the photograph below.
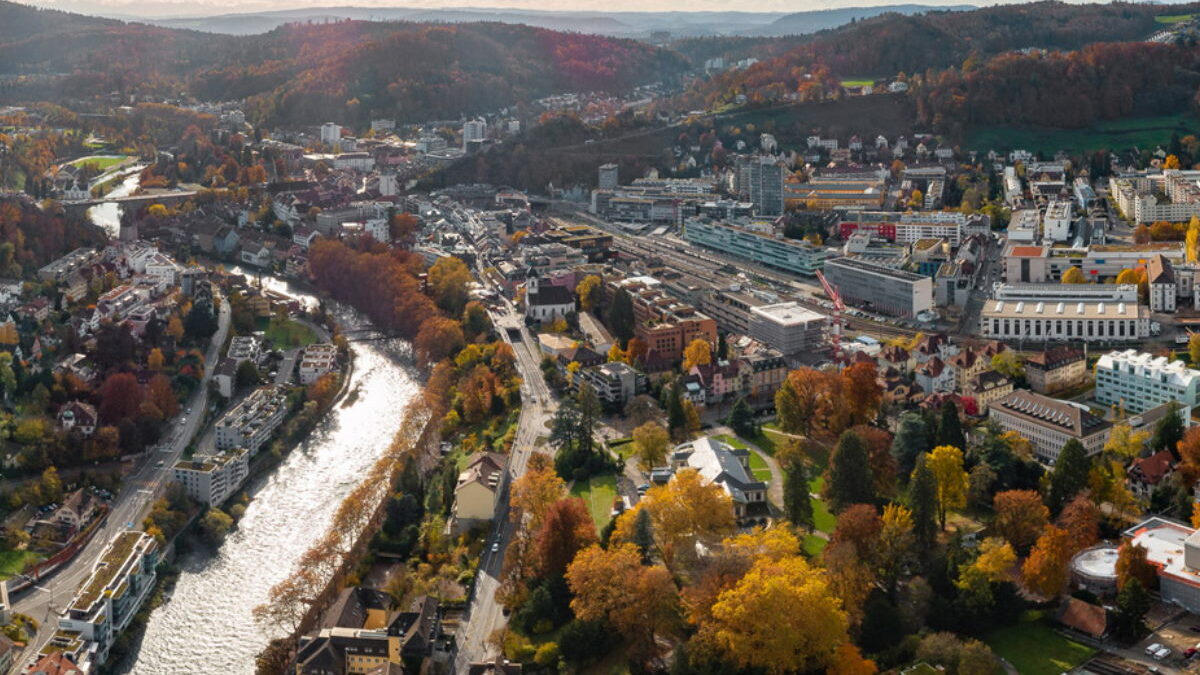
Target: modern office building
x=880 y=288
x=764 y=183
x=215 y=478
x=608 y=177
x=1174 y=550
x=250 y=424
x=1139 y=381
x=788 y=255
x=1049 y=423
x=788 y=327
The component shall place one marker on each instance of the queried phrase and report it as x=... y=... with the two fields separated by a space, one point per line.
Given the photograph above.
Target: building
x=244 y=348
x=56 y=663
x=363 y=635
x=121 y=580
x=547 y=302
x=1174 y=550
x=763 y=183
x=1056 y=369
x=79 y=416
x=1160 y=276
x=665 y=324
x=317 y=359
x=776 y=252
x=883 y=289
x=1056 y=223
x=331 y=134
x=721 y=464
x=1049 y=423
x=615 y=383
x=473 y=131
x=1137 y=382
x=1053 y=293
x=477 y=488
x=987 y=388
x=1146 y=473
x=788 y=327
x=213 y=479
x=609 y=177
x=251 y=422
x=1041 y=322
x=1173 y=196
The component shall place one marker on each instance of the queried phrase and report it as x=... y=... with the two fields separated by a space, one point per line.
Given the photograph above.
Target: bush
x=547 y=654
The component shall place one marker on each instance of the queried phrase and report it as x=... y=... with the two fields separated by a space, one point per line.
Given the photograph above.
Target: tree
x=909 y=443
x=154 y=361
x=438 y=338
x=1125 y=444
x=449 y=279
x=1194 y=348
x=1171 y=162
x=946 y=463
x=686 y=509
x=1008 y=364
x=1141 y=235
x=1133 y=602
x=859 y=525
x=650 y=442
x=849 y=474
x=1081 y=520
x=741 y=419
x=50 y=487
x=247 y=374
x=1069 y=476
x=862 y=393
x=996 y=558
x=536 y=491
x=1045 y=571
x=923 y=501
x=588 y=290
x=1169 y=430
x=1020 y=517
x=620 y=315
x=1132 y=563
x=566 y=529
x=677 y=421
x=120 y=397
x=1192 y=241
x=215 y=525
x=780 y=617
x=698 y=353
x=1073 y=275
x=802 y=400
x=847 y=660
x=950 y=430
x=797 y=502
x=175 y=328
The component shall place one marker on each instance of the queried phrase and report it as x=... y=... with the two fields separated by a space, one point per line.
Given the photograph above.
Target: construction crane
x=838 y=308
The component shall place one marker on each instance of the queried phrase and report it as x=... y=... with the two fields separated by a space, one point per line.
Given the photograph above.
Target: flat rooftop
x=788 y=314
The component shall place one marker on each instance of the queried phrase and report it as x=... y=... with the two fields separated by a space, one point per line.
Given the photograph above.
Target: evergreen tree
x=722 y=347
x=849 y=473
x=620 y=316
x=797 y=503
x=741 y=419
x=1069 y=476
x=950 y=431
x=676 y=416
x=1132 y=604
x=589 y=413
x=911 y=441
x=1169 y=430
x=922 y=501
x=643 y=536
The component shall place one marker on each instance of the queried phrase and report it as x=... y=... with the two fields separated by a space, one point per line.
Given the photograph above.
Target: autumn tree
x=1141 y=235
x=1073 y=275
x=1081 y=519
x=698 y=353
x=801 y=401
x=536 y=491
x=1020 y=517
x=862 y=393
x=946 y=463
x=686 y=509
x=588 y=291
x=1125 y=444
x=651 y=442
x=155 y=360
x=1133 y=563
x=120 y=397
x=438 y=338
x=895 y=544
x=1192 y=241
x=566 y=529
x=1046 y=570
x=449 y=281
x=849 y=479
x=859 y=525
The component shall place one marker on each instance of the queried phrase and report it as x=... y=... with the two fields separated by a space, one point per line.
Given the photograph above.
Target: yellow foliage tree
x=1171 y=162
x=1073 y=275
x=685 y=510
x=1045 y=570
x=698 y=353
x=1124 y=443
x=651 y=441
x=588 y=290
x=616 y=355
x=1192 y=240
x=155 y=359
x=946 y=463
x=536 y=491
x=996 y=558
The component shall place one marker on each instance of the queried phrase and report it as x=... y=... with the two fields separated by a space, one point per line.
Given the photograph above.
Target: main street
x=485 y=614
x=50 y=596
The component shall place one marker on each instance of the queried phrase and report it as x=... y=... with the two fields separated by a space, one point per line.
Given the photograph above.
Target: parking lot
x=1180 y=634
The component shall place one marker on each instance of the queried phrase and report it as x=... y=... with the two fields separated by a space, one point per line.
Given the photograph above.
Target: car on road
x=189 y=410
x=161 y=463
x=495 y=547
x=1153 y=649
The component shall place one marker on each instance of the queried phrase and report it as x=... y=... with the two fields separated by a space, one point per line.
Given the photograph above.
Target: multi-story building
x=608 y=179
x=1056 y=222
x=1038 y=264
x=887 y=290
x=665 y=324
x=615 y=383
x=1174 y=551
x=121 y=580
x=763 y=178
x=250 y=424
x=1085 y=321
x=363 y=634
x=473 y=131
x=767 y=371
x=1049 y=423
x=910 y=228
x=244 y=348
x=776 y=252
x=828 y=192
x=318 y=359
x=1139 y=381
x=731 y=309
x=1055 y=369
x=213 y=479
x=788 y=327
x=1160 y=277
x=1172 y=196
x=1052 y=293
x=331 y=134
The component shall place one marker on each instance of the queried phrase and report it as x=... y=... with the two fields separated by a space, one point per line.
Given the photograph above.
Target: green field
x=14 y=562
x=1174 y=18
x=860 y=82
x=814 y=545
x=1034 y=648
x=288 y=334
x=1122 y=134
x=598 y=492
x=101 y=162
x=758 y=465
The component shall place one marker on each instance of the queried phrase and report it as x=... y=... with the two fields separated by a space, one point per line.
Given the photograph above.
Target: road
x=130 y=506
x=485 y=614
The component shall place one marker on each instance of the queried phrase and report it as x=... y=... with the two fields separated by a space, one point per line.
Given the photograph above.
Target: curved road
x=46 y=599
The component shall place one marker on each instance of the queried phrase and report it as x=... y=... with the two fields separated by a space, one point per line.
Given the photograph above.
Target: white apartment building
x=1138 y=196
x=331 y=133
x=1140 y=381
x=318 y=359
x=1083 y=321
x=473 y=130
x=1049 y=423
x=250 y=424
x=1023 y=226
x=121 y=580
x=244 y=348
x=215 y=478
x=1056 y=224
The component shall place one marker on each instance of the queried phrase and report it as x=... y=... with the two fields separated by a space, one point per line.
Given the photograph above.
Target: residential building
x=331 y=134
x=56 y=663
x=615 y=383
x=1049 y=423
x=1041 y=322
x=214 y=478
x=1137 y=381
x=776 y=252
x=1056 y=369
x=473 y=131
x=1146 y=473
x=935 y=376
x=477 y=489
x=244 y=348
x=1056 y=223
x=1174 y=550
x=225 y=377
x=364 y=636
x=79 y=416
x=608 y=179
x=1173 y=196
x=788 y=327
x=1024 y=227
x=881 y=288
x=121 y=580
x=251 y=422
x=721 y=464
x=77 y=509
x=768 y=370
x=1160 y=277
x=987 y=388
x=763 y=178
x=730 y=309
x=317 y=359
x=665 y=324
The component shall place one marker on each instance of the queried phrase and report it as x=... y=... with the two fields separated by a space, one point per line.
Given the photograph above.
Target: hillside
x=347 y=71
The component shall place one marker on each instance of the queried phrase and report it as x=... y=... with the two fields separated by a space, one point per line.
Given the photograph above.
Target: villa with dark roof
x=724 y=465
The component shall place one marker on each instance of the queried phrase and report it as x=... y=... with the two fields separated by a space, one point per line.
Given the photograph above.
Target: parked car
x=1153 y=649
x=1162 y=654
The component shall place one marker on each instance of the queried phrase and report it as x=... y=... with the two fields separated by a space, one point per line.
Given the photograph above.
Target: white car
x=1153 y=649
x=1162 y=654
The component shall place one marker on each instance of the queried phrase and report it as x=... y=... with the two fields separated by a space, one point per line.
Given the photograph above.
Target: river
x=206 y=626
x=108 y=214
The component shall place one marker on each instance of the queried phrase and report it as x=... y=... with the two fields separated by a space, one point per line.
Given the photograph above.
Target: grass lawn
x=823 y=520
x=101 y=162
x=758 y=467
x=288 y=334
x=1174 y=18
x=1034 y=648
x=862 y=82
x=813 y=545
x=13 y=562
x=598 y=492
x=1119 y=134
x=768 y=442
